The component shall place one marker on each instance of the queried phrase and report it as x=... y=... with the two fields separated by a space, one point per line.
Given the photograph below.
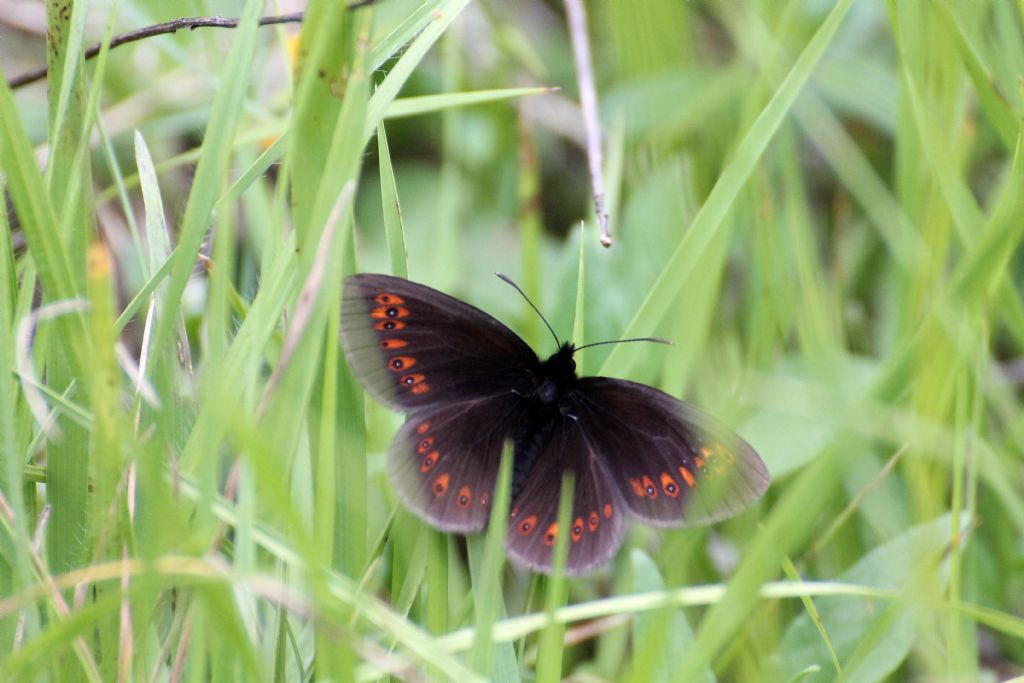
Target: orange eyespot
x=638 y=488
x=425 y=445
x=393 y=344
x=552 y=534
x=577 y=529
x=527 y=526
x=649 y=489
x=607 y=511
x=421 y=388
x=441 y=484
x=387 y=299
x=388 y=325
x=429 y=461
x=465 y=497
x=687 y=477
x=412 y=380
x=399 y=363
x=668 y=485
x=382 y=312
x=423 y=428
x=593 y=521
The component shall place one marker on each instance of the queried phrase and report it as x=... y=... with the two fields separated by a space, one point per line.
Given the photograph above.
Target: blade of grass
x=11 y=462
x=658 y=635
x=32 y=203
x=710 y=217
x=578 y=333
x=120 y=189
x=443 y=15
x=451 y=194
x=427 y=104
x=528 y=200
x=550 y=650
x=392 y=210
x=157 y=240
x=982 y=271
x=488 y=598
x=999 y=111
x=437 y=582
x=516 y=628
x=211 y=170
x=71 y=31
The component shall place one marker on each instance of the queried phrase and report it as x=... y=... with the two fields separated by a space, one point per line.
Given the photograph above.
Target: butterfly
x=469 y=384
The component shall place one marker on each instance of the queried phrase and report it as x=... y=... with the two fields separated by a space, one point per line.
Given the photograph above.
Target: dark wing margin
x=673 y=464
x=597 y=521
x=444 y=460
x=413 y=346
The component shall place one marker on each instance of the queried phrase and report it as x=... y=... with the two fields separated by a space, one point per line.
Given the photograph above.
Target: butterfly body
x=469 y=384
x=548 y=402
x=556 y=377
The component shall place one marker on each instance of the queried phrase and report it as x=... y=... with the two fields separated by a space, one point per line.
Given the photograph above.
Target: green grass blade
x=550 y=653
x=28 y=194
x=392 y=210
x=427 y=104
x=578 y=328
x=443 y=15
x=983 y=269
x=488 y=598
x=710 y=218
x=211 y=170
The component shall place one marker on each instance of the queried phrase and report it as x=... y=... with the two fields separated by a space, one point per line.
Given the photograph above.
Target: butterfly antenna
x=507 y=279
x=656 y=340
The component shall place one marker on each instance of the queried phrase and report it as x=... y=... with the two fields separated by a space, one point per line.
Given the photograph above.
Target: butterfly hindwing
x=596 y=525
x=672 y=464
x=413 y=346
x=444 y=461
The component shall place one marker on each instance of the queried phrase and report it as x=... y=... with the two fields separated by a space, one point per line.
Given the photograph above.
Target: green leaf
x=889 y=631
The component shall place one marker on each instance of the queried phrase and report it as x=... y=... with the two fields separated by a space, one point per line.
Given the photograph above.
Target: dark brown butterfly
x=468 y=384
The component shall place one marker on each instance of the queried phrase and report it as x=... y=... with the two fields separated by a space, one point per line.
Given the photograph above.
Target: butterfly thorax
x=556 y=376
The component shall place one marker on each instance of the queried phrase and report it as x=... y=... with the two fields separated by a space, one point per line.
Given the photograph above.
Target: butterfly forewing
x=444 y=461
x=413 y=346
x=672 y=464
x=596 y=524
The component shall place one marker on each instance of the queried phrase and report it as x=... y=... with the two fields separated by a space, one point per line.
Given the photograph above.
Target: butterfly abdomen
x=526 y=447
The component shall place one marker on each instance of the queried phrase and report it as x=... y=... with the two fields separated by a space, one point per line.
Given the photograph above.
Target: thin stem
x=577 y=19
x=172 y=26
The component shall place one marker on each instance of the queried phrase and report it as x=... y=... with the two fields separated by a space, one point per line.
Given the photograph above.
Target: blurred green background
x=818 y=202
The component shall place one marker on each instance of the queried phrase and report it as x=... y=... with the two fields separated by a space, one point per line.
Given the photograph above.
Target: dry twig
x=173 y=26
x=577 y=18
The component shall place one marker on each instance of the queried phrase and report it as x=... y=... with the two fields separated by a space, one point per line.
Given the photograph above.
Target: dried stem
x=173 y=26
x=577 y=18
